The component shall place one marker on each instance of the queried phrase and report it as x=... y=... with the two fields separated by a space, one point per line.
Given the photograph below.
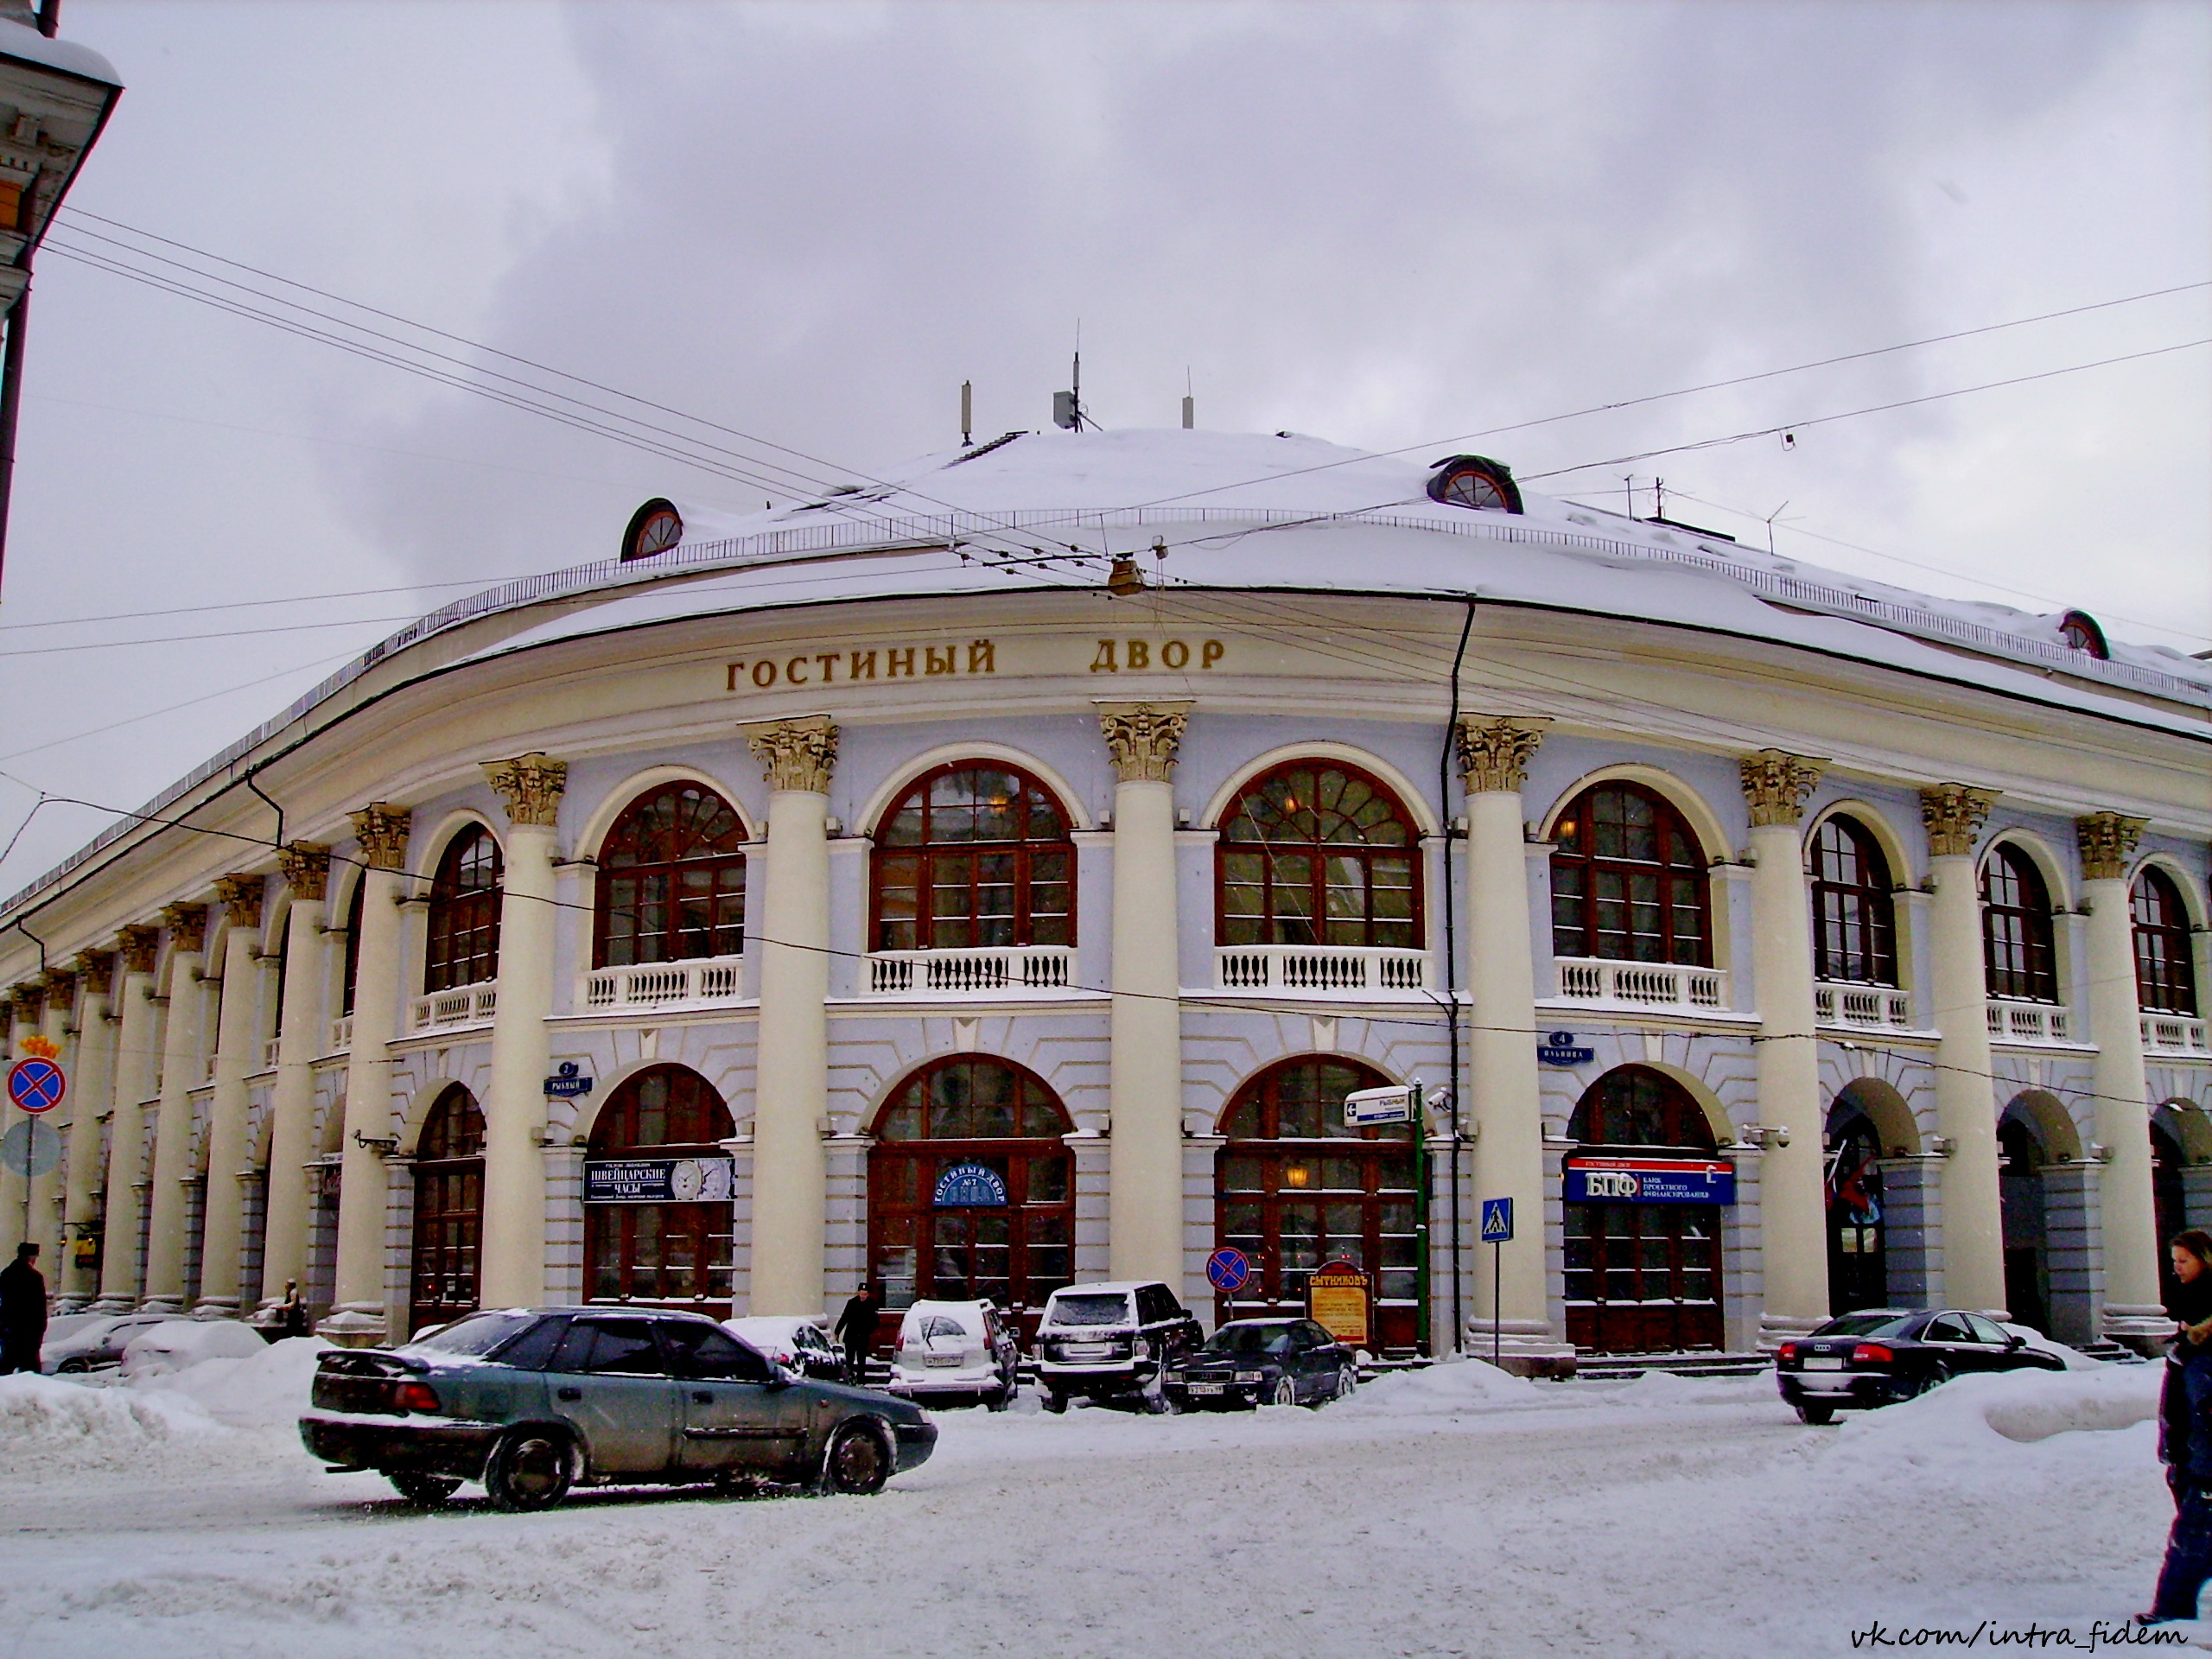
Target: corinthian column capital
x=1954 y=815
x=241 y=898
x=97 y=969
x=381 y=828
x=531 y=785
x=138 y=943
x=1494 y=754
x=187 y=926
x=305 y=865
x=1143 y=738
x=797 y=755
x=2107 y=842
x=1776 y=784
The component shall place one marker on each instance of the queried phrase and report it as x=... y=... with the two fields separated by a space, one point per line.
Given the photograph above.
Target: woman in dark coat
x=2185 y=1432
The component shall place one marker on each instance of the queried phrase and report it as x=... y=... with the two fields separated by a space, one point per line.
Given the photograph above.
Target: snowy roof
x=22 y=41
x=1246 y=510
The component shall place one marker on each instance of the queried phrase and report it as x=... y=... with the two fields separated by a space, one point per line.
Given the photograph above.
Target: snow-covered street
x=1454 y=1511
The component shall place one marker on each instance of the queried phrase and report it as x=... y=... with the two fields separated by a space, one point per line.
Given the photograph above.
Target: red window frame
x=1615 y=903
x=933 y=887
x=671 y=880
x=447 y=1263
x=2166 y=964
x=1299 y=856
x=665 y=1111
x=464 y=932
x=1854 y=918
x=2019 y=948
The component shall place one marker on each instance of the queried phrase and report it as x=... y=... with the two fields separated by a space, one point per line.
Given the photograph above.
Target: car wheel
x=1938 y=1375
x=73 y=1367
x=1055 y=1401
x=423 y=1490
x=1286 y=1393
x=1347 y=1380
x=529 y=1469
x=1817 y=1415
x=857 y=1465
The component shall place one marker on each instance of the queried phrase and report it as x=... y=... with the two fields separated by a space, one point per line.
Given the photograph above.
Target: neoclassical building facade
x=997 y=878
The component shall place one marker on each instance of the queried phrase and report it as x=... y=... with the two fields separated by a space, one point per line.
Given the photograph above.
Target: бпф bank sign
x=1650 y=1180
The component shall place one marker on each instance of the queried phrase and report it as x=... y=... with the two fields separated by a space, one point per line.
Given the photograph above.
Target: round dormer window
x=1475 y=481
x=2079 y=630
x=654 y=528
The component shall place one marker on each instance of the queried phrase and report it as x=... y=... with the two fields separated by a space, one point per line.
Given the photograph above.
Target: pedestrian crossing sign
x=1497 y=1221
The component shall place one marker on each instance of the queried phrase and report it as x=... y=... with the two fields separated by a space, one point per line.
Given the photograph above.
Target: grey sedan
x=533 y=1401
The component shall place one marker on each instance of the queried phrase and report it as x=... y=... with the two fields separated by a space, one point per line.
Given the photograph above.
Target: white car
x=956 y=1349
x=800 y=1342
x=94 y=1344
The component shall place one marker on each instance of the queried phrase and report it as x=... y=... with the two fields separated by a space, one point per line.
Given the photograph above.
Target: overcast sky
x=1385 y=226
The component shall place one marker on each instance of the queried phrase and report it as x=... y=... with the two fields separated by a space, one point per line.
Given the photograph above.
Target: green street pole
x=1420 y=1222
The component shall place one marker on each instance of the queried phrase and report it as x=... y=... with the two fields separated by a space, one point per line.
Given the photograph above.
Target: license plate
x=1208 y=1388
x=940 y=1359
x=1089 y=1350
x=1823 y=1364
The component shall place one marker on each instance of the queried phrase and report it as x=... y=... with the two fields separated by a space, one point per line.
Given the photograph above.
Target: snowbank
x=1445 y=1389
x=266 y=1387
x=49 y=1426
x=2073 y=1359
x=178 y=1344
x=1961 y=1427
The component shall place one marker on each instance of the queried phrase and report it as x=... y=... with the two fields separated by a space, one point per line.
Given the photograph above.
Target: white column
x=792 y=1075
x=136 y=1054
x=181 y=1045
x=357 y=1315
x=2132 y=1310
x=301 y=1035
x=1511 y=1298
x=513 y=1260
x=1145 y=1068
x=1793 y=1210
x=92 y=1087
x=1965 y=1115
x=238 y=1044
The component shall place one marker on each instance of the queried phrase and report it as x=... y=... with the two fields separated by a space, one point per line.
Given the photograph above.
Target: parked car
x=1102 y=1342
x=1882 y=1355
x=1263 y=1363
x=95 y=1344
x=800 y=1342
x=955 y=1350
x=533 y=1401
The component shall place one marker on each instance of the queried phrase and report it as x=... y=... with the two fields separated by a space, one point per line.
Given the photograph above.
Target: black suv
x=1101 y=1341
x=531 y=1401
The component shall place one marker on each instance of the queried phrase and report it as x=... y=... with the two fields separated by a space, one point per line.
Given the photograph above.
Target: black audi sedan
x=1262 y=1361
x=533 y=1401
x=1880 y=1355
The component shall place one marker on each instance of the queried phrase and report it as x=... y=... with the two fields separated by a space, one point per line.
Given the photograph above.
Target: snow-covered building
x=997 y=876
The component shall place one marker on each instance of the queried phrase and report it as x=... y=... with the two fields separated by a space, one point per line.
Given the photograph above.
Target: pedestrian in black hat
x=23 y=1311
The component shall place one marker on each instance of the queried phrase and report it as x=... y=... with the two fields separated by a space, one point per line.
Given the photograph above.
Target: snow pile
x=2073 y=1358
x=178 y=1344
x=1656 y=1389
x=50 y=1428
x=1445 y=1389
x=266 y=1387
x=1958 y=1428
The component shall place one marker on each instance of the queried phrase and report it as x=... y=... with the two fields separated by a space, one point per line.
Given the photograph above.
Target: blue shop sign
x=969 y=1186
x=1559 y=1048
x=1650 y=1180
x=659 y=1180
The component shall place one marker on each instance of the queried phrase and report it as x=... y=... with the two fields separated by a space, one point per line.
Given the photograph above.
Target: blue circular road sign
x=1229 y=1270
x=37 y=1085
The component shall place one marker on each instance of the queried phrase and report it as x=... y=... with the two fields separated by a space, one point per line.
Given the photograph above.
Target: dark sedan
x=532 y=1401
x=1882 y=1355
x=1262 y=1361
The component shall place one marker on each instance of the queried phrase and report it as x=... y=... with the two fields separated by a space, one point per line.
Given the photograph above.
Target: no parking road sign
x=1229 y=1270
x=36 y=1084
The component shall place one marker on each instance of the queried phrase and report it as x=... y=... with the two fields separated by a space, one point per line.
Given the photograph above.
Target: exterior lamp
x=54 y=98
x=1124 y=578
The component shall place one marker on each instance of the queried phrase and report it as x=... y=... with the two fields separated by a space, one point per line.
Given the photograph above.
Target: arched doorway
x=971 y=1191
x=1294 y=1186
x=448 y=1210
x=657 y=1195
x=1859 y=1271
x=2020 y=1164
x=1642 y=1245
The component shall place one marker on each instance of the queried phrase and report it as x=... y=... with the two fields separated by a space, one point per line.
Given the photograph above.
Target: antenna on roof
x=967 y=413
x=1190 y=405
x=1067 y=406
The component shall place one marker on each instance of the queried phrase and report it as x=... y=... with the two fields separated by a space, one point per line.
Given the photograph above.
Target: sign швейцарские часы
x=658 y=1180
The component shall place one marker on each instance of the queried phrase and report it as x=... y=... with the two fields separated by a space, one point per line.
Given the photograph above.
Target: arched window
x=1296 y=1186
x=1854 y=927
x=1629 y=880
x=2165 y=975
x=449 y=1209
x=2081 y=632
x=1318 y=852
x=971 y=1190
x=974 y=855
x=671 y=881
x=657 y=1187
x=2016 y=935
x=464 y=944
x=1634 y=1106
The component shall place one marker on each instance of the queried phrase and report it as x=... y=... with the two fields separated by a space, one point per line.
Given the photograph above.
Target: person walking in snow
x=2185 y=1432
x=856 y=1330
x=23 y=1311
x=292 y=1312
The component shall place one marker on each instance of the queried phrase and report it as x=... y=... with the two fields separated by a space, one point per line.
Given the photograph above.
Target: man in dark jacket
x=856 y=1330
x=2185 y=1438
x=23 y=1311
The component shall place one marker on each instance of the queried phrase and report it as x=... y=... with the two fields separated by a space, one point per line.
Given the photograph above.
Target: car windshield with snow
x=531 y=1401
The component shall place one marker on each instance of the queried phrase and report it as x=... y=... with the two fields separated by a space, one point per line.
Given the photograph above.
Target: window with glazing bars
x=1629 y=880
x=1315 y=852
x=2018 y=955
x=974 y=855
x=464 y=933
x=1854 y=925
x=671 y=881
x=2166 y=973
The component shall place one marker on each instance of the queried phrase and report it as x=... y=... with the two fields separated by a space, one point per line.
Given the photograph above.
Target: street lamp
x=54 y=98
